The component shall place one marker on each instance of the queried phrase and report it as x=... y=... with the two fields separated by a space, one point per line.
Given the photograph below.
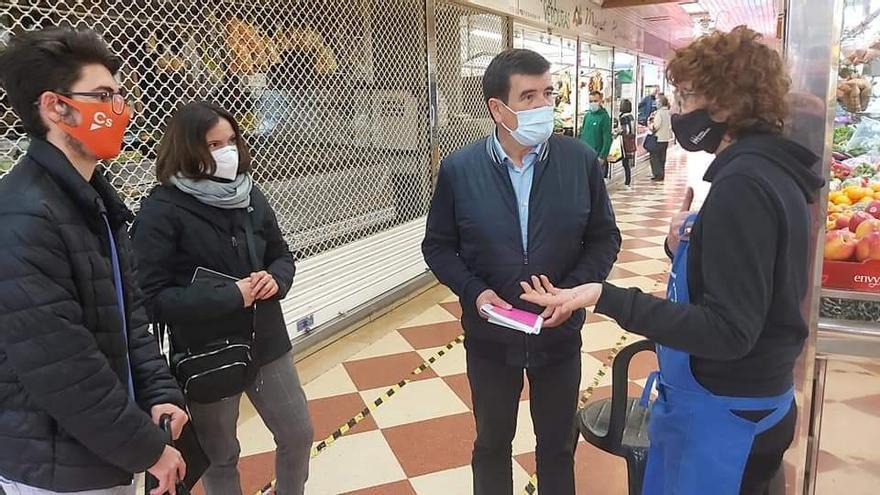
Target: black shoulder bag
x=223 y=368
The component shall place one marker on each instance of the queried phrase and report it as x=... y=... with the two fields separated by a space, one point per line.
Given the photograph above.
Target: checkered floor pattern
x=419 y=440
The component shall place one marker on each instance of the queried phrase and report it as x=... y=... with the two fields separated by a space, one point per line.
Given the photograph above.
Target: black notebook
x=208 y=275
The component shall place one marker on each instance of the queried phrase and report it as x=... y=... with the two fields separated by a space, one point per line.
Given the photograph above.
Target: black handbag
x=217 y=371
x=650 y=143
x=224 y=367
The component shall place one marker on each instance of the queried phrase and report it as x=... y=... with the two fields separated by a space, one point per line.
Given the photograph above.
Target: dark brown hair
x=496 y=79
x=736 y=72
x=184 y=149
x=48 y=59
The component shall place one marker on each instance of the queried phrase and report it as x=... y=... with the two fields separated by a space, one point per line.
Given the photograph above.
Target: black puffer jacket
x=174 y=234
x=66 y=421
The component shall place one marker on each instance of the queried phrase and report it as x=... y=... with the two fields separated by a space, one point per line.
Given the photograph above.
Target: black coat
x=748 y=272
x=473 y=240
x=66 y=421
x=174 y=234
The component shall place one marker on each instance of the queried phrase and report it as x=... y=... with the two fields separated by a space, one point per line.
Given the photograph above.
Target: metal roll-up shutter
x=332 y=97
x=467 y=40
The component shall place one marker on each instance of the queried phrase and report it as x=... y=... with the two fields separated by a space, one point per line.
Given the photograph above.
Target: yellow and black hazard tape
x=532 y=487
x=372 y=406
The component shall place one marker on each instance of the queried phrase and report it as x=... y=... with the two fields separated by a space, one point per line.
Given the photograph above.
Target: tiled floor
x=849 y=461
x=418 y=441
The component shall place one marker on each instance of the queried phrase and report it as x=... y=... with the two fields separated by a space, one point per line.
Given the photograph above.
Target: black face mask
x=696 y=131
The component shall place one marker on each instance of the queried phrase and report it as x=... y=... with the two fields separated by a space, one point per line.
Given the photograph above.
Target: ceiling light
x=693 y=8
x=487 y=34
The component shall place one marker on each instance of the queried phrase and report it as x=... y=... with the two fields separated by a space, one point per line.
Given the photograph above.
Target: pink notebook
x=514 y=319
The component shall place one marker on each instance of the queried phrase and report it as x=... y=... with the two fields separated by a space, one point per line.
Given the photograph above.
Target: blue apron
x=698 y=445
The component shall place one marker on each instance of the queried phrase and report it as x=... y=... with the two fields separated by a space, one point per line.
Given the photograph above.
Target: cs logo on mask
x=100 y=120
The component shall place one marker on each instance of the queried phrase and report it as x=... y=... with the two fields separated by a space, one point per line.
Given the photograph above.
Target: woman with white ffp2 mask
x=214 y=266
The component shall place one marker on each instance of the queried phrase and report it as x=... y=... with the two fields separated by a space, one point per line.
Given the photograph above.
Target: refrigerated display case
x=848 y=325
x=852 y=242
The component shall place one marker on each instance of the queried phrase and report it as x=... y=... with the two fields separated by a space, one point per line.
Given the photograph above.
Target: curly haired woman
x=731 y=329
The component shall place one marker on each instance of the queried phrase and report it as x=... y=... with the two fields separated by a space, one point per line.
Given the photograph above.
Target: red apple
x=856 y=220
x=840 y=245
x=869 y=247
x=874 y=209
x=866 y=227
x=842 y=221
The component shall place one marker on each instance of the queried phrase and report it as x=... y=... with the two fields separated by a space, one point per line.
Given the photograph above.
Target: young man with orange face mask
x=82 y=383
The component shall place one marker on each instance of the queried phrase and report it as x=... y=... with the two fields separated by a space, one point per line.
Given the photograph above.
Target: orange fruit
x=875 y=187
x=855 y=193
x=843 y=200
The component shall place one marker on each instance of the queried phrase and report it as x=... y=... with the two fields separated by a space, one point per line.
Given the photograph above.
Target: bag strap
x=249 y=238
x=161 y=331
x=252 y=253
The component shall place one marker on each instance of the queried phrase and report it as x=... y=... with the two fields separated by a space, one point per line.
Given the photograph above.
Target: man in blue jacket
x=519 y=203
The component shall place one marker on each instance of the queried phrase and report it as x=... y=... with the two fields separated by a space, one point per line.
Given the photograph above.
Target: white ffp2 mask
x=226 y=161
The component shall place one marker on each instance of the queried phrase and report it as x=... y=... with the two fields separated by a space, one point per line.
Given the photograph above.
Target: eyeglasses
x=119 y=99
x=682 y=95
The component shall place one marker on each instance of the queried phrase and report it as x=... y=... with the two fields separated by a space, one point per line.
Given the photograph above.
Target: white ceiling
x=669 y=21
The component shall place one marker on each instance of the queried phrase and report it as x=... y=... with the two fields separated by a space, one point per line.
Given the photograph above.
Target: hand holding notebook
x=514 y=319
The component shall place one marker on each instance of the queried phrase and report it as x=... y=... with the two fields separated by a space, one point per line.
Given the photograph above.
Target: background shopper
x=661 y=126
x=596 y=130
x=627 y=131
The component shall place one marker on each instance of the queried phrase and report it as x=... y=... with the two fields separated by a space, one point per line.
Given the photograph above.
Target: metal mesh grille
x=467 y=40
x=331 y=96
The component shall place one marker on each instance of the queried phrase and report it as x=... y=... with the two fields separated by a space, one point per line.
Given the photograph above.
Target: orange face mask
x=100 y=130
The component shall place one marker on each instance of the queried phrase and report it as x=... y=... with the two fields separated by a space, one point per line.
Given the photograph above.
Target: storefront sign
x=555 y=15
x=583 y=16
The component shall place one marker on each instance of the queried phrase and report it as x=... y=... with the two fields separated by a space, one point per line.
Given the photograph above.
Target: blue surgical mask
x=594 y=107
x=533 y=126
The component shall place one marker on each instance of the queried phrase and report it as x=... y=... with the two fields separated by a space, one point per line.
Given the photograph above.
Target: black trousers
x=658 y=160
x=765 y=458
x=553 y=391
x=628 y=161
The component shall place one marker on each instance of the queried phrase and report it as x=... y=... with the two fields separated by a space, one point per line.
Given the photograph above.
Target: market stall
x=595 y=74
x=848 y=323
x=561 y=52
x=852 y=244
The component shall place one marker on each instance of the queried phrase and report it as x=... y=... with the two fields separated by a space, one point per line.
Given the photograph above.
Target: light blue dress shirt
x=521 y=179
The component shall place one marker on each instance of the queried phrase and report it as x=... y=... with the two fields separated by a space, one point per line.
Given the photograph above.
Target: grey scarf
x=225 y=195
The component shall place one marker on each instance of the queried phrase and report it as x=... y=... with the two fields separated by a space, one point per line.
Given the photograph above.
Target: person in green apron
x=731 y=328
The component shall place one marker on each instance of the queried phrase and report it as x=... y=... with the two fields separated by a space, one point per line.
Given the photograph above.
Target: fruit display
x=853 y=211
x=843 y=134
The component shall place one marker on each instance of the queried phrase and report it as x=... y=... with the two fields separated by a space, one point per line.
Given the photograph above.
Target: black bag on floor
x=193 y=455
